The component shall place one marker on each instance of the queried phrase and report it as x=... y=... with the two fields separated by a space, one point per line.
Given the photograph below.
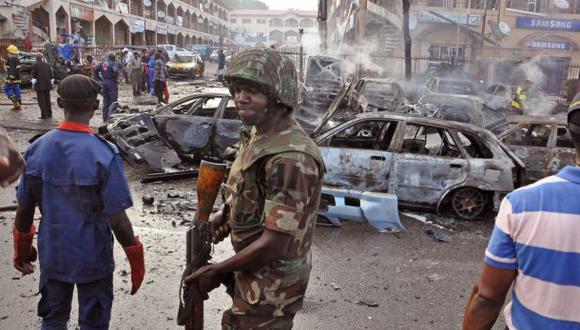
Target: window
x=230 y=112
x=362 y=135
x=208 y=107
x=426 y=140
x=291 y=22
x=246 y=20
x=275 y=22
x=563 y=139
x=474 y=147
x=533 y=135
x=261 y=21
x=234 y=20
x=180 y=108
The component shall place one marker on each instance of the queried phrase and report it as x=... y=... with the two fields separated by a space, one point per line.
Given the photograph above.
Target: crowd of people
x=77 y=181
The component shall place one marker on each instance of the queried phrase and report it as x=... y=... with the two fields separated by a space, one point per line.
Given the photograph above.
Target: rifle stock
x=198 y=243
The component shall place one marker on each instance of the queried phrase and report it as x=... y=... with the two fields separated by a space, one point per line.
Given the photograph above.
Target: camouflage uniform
x=274 y=183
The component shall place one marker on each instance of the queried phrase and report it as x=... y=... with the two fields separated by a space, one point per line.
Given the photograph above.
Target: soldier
x=12 y=80
x=109 y=72
x=273 y=194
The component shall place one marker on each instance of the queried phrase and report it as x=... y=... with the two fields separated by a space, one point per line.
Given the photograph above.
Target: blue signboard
x=545 y=23
x=544 y=44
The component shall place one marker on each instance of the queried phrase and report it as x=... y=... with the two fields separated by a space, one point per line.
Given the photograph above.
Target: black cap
x=574 y=106
x=78 y=87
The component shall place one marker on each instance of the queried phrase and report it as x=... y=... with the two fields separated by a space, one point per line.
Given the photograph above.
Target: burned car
x=460 y=109
x=542 y=143
x=428 y=163
x=449 y=86
x=204 y=123
x=498 y=97
x=322 y=82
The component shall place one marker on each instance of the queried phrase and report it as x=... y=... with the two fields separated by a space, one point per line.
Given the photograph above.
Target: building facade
x=271 y=27
x=125 y=22
x=489 y=39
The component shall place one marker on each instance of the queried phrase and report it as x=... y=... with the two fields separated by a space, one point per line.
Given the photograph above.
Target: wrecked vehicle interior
x=542 y=143
x=427 y=163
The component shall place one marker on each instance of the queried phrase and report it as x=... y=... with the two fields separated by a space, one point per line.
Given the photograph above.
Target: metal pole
x=301 y=33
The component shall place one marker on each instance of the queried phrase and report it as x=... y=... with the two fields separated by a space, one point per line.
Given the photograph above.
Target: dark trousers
x=43 y=98
x=95 y=303
x=110 y=92
x=159 y=89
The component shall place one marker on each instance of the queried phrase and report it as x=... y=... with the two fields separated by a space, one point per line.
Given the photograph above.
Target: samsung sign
x=552 y=24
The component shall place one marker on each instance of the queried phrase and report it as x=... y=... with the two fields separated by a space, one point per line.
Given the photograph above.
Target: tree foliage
x=245 y=4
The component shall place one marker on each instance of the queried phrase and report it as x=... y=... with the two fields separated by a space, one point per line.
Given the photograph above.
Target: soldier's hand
x=220 y=226
x=207 y=278
x=11 y=162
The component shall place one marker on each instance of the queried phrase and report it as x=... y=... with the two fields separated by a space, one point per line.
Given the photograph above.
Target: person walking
x=12 y=80
x=160 y=78
x=76 y=179
x=135 y=67
x=109 y=73
x=535 y=247
x=42 y=79
x=273 y=195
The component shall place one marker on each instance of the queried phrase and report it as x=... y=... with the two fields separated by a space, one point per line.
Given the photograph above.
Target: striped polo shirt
x=537 y=232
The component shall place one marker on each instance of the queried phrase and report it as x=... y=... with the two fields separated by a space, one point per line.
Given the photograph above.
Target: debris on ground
x=148 y=200
x=368 y=303
x=436 y=236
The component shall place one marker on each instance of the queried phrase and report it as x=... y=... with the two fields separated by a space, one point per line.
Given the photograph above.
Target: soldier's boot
x=16 y=104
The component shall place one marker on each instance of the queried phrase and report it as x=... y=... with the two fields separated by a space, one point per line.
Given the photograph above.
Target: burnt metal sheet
x=379 y=210
x=187 y=134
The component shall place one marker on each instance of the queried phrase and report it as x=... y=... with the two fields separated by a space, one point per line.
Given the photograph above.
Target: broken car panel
x=426 y=162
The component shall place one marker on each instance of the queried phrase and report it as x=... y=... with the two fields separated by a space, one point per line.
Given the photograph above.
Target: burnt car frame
x=428 y=163
x=203 y=124
x=542 y=143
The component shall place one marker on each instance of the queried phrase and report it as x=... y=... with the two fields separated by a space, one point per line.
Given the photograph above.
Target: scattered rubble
x=436 y=236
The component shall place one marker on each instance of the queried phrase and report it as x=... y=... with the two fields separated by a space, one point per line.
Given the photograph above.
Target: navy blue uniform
x=109 y=71
x=77 y=181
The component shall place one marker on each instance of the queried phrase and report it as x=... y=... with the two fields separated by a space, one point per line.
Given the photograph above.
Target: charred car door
x=189 y=132
x=427 y=164
x=227 y=130
x=561 y=151
x=357 y=155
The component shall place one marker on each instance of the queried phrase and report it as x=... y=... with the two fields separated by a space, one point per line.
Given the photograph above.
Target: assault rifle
x=198 y=244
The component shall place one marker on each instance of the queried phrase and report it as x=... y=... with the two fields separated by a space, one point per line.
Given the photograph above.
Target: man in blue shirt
x=535 y=246
x=109 y=72
x=77 y=181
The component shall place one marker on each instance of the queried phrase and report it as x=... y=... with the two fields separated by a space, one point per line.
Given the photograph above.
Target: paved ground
x=417 y=283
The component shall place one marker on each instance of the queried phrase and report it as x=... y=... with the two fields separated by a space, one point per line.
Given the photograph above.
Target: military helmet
x=267 y=68
x=574 y=106
x=12 y=49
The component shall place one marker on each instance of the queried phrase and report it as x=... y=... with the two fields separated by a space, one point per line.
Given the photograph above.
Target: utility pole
x=407 y=38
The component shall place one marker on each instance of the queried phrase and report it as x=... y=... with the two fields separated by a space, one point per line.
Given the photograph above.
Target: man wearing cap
x=12 y=80
x=535 y=246
x=42 y=79
x=76 y=179
x=273 y=194
x=109 y=73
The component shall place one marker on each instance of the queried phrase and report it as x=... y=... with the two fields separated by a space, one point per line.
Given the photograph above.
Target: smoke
x=537 y=102
x=363 y=56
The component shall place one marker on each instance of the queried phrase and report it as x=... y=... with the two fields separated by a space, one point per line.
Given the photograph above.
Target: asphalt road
x=414 y=281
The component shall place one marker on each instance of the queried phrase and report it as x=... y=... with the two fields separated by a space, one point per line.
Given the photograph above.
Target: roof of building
x=274 y=13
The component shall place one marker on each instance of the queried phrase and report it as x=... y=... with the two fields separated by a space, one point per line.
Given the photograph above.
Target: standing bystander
x=109 y=73
x=535 y=245
x=160 y=77
x=136 y=79
x=42 y=78
x=76 y=179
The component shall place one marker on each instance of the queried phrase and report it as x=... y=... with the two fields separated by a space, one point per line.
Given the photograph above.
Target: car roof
x=559 y=120
x=424 y=120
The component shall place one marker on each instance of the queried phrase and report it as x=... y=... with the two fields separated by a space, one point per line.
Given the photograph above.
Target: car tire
x=468 y=203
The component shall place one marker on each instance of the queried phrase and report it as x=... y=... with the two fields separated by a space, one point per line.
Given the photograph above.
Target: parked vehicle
x=203 y=50
x=542 y=143
x=457 y=108
x=498 y=97
x=186 y=63
x=450 y=86
x=428 y=163
x=170 y=49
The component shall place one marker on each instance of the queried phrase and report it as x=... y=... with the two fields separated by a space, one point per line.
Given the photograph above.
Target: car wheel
x=468 y=203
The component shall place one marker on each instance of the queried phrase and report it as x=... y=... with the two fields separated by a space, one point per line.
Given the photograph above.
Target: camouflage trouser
x=230 y=321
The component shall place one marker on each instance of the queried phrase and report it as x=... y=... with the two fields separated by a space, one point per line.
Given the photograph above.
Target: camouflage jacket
x=275 y=183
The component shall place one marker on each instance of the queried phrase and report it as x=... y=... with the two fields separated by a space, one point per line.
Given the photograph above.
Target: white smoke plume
x=537 y=102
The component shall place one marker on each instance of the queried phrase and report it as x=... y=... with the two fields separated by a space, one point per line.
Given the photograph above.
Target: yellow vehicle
x=185 y=64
